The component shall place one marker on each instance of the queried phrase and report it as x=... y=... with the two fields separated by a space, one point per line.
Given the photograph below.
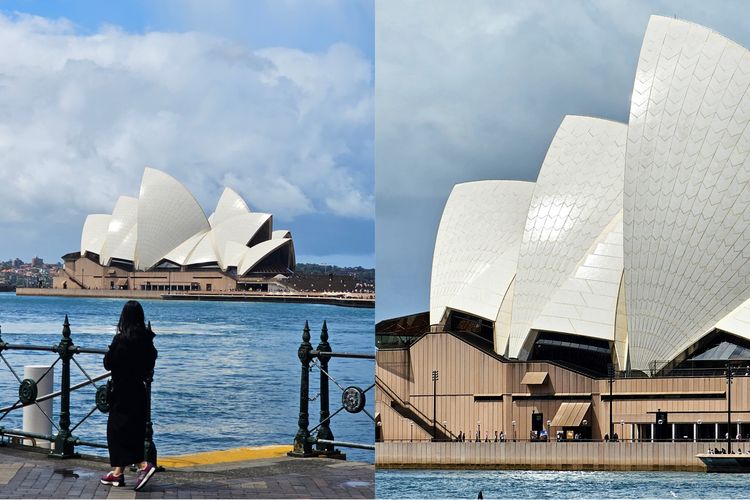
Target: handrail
x=51 y=395
x=395 y=397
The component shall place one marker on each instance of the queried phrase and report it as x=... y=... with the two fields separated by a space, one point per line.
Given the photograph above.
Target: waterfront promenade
x=29 y=473
x=335 y=299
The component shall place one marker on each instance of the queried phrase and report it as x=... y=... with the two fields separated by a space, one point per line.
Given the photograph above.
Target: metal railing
x=63 y=440
x=353 y=399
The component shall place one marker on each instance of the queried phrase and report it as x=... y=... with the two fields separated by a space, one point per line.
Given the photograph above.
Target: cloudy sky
x=271 y=98
x=475 y=90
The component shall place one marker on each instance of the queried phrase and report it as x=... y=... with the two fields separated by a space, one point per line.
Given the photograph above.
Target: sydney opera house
x=163 y=241
x=629 y=256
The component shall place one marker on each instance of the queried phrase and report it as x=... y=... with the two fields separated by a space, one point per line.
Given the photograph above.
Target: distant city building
x=17 y=263
x=37 y=262
x=162 y=240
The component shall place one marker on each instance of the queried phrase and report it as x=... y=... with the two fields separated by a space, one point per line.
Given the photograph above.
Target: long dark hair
x=132 y=324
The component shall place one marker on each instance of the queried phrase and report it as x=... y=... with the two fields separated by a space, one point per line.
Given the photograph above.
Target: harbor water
x=227 y=373
x=558 y=484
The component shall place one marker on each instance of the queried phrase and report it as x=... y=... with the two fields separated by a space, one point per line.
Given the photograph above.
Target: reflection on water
x=558 y=484
x=227 y=373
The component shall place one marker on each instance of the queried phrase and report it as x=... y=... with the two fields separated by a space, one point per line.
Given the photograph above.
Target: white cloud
x=81 y=116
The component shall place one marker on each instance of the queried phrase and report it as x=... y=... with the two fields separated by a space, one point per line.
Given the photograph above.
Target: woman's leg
x=119 y=470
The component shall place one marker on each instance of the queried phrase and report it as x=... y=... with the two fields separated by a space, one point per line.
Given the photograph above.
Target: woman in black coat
x=131 y=358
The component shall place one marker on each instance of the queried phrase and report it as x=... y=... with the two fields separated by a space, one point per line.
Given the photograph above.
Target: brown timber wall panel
x=394 y=369
x=466 y=371
x=582 y=455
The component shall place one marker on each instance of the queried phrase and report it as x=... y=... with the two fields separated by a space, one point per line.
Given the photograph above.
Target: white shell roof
x=167 y=215
x=182 y=252
x=94 y=233
x=204 y=251
x=166 y=223
x=477 y=247
x=636 y=234
x=256 y=253
x=687 y=188
x=239 y=229
x=230 y=204
x=126 y=250
x=738 y=321
x=577 y=194
x=124 y=218
x=586 y=303
x=233 y=253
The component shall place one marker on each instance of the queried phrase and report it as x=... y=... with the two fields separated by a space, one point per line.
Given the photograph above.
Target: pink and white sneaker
x=113 y=480
x=144 y=475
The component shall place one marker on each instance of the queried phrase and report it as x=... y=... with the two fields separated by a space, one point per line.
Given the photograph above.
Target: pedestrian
x=131 y=358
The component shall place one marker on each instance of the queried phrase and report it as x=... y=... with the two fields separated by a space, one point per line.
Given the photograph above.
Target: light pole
x=435 y=376
x=739 y=429
x=698 y=429
x=445 y=430
x=513 y=423
x=479 y=431
x=622 y=429
x=411 y=432
x=729 y=408
x=611 y=376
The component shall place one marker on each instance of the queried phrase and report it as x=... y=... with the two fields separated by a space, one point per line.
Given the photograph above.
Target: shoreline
x=341 y=301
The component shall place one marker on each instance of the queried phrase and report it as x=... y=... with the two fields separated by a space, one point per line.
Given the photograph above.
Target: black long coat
x=130 y=362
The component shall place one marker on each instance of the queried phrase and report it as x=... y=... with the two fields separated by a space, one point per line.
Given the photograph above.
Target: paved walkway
x=25 y=473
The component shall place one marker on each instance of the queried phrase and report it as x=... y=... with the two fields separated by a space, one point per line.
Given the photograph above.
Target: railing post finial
x=324 y=332
x=66 y=328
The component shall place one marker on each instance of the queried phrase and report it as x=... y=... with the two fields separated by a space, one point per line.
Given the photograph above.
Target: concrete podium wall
x=551 y=455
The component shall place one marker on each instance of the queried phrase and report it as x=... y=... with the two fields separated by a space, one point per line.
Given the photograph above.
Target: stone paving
x=25 y=473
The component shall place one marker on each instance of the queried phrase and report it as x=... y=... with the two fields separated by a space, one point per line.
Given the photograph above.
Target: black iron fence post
x=64 y=447
x=302 y=444
x=324 y=431
x=149 y=446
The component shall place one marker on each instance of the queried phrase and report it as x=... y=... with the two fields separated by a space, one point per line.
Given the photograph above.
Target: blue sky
x=272 y=98
x=311 y=25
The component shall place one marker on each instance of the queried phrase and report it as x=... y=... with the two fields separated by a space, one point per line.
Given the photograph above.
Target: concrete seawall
x=209 y=296
x=111 y=294
x=545 y=456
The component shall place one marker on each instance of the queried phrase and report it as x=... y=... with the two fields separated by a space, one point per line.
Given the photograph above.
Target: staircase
x=411 y=413
x=73 y=278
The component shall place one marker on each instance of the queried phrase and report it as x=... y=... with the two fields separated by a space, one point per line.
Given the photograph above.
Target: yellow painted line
x=222 y=456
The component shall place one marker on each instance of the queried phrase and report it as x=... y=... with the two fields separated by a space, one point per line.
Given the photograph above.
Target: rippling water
x=227 y=373
x=559 y=484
